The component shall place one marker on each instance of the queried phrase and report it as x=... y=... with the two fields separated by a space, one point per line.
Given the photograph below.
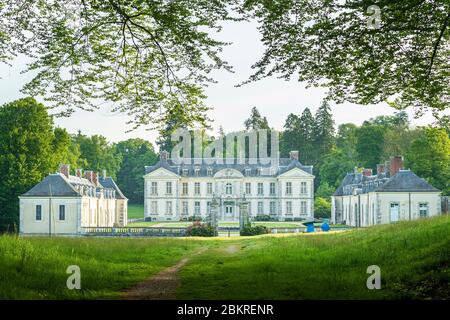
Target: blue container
x=309 y=226
x=325 y=227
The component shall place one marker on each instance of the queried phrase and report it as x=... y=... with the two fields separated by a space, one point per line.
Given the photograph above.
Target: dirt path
x=232 y=249
x=161 y=286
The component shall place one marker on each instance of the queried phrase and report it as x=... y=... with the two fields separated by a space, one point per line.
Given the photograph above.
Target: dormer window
x=185 y=172
x=259 y=171
x=197 y=171
x=248 y=172
x=210 y=171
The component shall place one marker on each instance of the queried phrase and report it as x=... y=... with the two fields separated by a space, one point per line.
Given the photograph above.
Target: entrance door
x=394 y=212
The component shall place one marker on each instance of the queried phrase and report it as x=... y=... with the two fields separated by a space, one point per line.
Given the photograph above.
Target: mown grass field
x=183 y=224
x=135 y=211
x=414 y=258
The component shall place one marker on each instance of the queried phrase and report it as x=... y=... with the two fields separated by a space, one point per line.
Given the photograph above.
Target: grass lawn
x=135 y=211
x=414 y=258
x=35 y=268
x=182 y=224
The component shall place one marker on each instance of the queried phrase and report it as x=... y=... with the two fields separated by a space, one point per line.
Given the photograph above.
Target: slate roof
x=403 y=181
x=55 y=184
x=406 y=180
x=108 y=182
x=284 y=165
x=58 y=185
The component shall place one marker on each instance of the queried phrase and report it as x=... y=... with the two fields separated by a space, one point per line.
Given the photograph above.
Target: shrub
x=322 y=208
x=194 y=218
x=253 y=231
x=198 y=229
x=264 y=217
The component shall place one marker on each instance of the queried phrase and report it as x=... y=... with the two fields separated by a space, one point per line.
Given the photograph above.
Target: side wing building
x=393 y=194
x=64 y=204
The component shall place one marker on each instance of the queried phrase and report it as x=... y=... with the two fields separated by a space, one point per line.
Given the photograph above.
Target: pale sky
x=274 y=98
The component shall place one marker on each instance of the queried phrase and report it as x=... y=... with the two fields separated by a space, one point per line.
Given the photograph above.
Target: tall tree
x=141 y=56
x=369 y=144
x=289 y=137
x=323 y=132
x=64 y=149
x=397 y=141
x=364 y=51
x=335 y=166
x=136 y=154
x=347 y=136
x=26 y=154
x=97 y=154
x=256 y=121
x=306 y=127
x=429 y=157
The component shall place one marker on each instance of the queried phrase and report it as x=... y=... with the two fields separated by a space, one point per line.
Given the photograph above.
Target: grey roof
x=284 y=165
x=58 y=185
x=406 y=180
x=108 y=182
x=55 y=184
x=403 y=181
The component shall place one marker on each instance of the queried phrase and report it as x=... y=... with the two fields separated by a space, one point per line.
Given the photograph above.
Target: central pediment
x=228 y=173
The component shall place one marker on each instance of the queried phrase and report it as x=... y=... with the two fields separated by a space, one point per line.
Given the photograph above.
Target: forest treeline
x=32 y=147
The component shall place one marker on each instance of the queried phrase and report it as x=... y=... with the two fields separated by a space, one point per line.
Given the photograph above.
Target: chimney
x=381 y=168
x=95 y=178
x=396 y=165
x=164 y=155
x=88 y=175
x=367 y=172
x=64 y=169
x=104 y=174
x=293 y=155
x=79 y=173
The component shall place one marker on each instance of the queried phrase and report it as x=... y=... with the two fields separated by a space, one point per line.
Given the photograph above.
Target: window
x=154 y=208
x=288 y=188
x=272 y=208
x=208 y=207
x=260 y=188
x=197 y=188
x=248 y=171
x=184 y=190
x=209 y=189
x=248 y=188
x=62 y=212
x=260 y=207
x=303 y=189
x=303 y=210
x=197 y=208
x=228 y=188
x=197 y=171
x=259 y=171
x=185 y=208
x=423 y=210
x=185 y=172
x=169 y=208
x=38 y=212
x=288 y=207
x=154 y=188
x=272 y=188
x=209 y=172
x=168 y=187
